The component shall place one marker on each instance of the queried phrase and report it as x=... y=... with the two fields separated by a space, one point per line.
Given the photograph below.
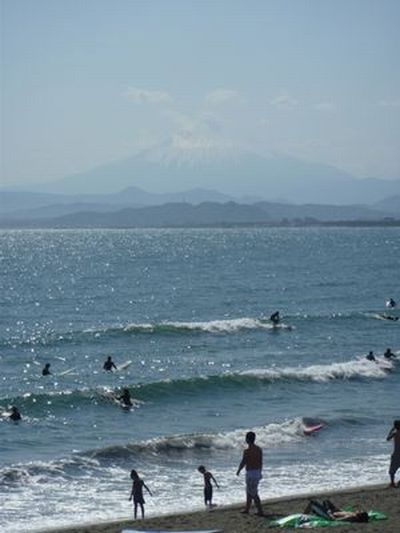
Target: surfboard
x=386 y=317
x=123 y=366
x=110 y=396
x=309 y=430
x=66 y=372
x=281 y=325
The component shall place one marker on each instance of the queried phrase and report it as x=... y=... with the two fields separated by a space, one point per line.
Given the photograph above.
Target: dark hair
x=134 y=474
x=360 y=517
x=396 y=424
x=250 y=437
x=201 y=468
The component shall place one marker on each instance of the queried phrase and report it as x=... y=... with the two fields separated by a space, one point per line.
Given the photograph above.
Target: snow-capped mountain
x=186 y=163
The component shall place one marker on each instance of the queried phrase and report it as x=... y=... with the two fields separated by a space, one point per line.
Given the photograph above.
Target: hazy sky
x=89 y=81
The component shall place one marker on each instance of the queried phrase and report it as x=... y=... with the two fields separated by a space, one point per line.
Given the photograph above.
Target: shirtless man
x=394 y=434
x=253 y=461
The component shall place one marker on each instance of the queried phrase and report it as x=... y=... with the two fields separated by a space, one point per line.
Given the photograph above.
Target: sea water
x=190 y=309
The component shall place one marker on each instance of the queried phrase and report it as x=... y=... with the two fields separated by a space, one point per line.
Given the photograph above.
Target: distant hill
x=32 y=205
x=392 y=203
x=204 y=214
x=178 y=166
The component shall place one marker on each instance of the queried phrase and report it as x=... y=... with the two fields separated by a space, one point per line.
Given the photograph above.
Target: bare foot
x=245 y=511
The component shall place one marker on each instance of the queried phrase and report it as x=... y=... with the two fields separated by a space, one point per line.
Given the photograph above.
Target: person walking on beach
x=253 y=461
x=208 y=489
x=137 y=493
x=109 y=364
x=394 y=434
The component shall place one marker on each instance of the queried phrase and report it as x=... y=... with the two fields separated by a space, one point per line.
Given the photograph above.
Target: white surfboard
x=66 y=372
x=123 y=366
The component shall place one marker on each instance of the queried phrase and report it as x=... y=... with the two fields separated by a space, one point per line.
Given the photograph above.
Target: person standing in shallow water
x=394 y=434
x=253 y=461
x=208 y=489
x=137 y=493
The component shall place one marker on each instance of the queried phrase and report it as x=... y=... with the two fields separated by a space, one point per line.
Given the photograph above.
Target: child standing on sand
x=208 y=489
x=137 y=492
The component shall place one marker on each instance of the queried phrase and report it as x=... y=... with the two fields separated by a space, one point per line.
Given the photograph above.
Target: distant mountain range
x=203 y=214
x=184 y=165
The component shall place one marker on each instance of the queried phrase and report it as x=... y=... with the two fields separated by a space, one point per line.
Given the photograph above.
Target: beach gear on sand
x=308 y=521
x=169 y=531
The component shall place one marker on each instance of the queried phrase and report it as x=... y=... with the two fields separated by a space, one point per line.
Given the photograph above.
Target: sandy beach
x=230 y=520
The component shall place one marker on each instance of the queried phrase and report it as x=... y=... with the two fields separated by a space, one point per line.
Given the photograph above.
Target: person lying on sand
x=329 y=511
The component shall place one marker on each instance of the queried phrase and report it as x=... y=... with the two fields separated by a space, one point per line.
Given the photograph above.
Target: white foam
x=361 y=368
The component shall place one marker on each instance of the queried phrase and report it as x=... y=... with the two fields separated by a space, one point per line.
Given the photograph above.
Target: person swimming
x=125 y=398
x=46 y=370
x=389 y=354
x=370 y=356
x=15 y=414
x=275 y=318
x=109 y=364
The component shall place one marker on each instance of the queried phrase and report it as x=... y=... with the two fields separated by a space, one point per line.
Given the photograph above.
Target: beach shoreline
x=228 y=519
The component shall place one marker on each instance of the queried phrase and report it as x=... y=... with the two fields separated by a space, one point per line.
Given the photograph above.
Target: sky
x=85 y=82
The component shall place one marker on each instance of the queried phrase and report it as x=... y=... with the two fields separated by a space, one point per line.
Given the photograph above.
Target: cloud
x=220 y=96
x=284 y=100
x=143 y=96
x=389 y=103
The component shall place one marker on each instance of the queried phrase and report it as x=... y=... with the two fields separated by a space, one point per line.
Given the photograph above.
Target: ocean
x=190 y=309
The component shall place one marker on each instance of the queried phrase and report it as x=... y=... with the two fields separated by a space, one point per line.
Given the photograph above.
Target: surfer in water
x=125 y=398
x=109 y=364
x=275 y=318
x=15 y=415
x=46 y=370
x=391 y=303
x=394 y=434
x=370 y=356
x=389 y=354
x=253 y=461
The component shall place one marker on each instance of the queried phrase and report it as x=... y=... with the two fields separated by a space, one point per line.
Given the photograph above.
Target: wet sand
x=230 y=520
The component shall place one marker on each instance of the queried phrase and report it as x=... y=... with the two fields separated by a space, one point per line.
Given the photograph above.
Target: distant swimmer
x=109 y=364
x=125 y=398
x=389 y=354
x=275 y=318
x=46 y=370
x=391 y=303
x=389 y=317
x=370 y=356
x=15 y=414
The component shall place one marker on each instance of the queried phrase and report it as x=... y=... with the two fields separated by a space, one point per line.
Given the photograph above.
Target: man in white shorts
x=252 y=460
